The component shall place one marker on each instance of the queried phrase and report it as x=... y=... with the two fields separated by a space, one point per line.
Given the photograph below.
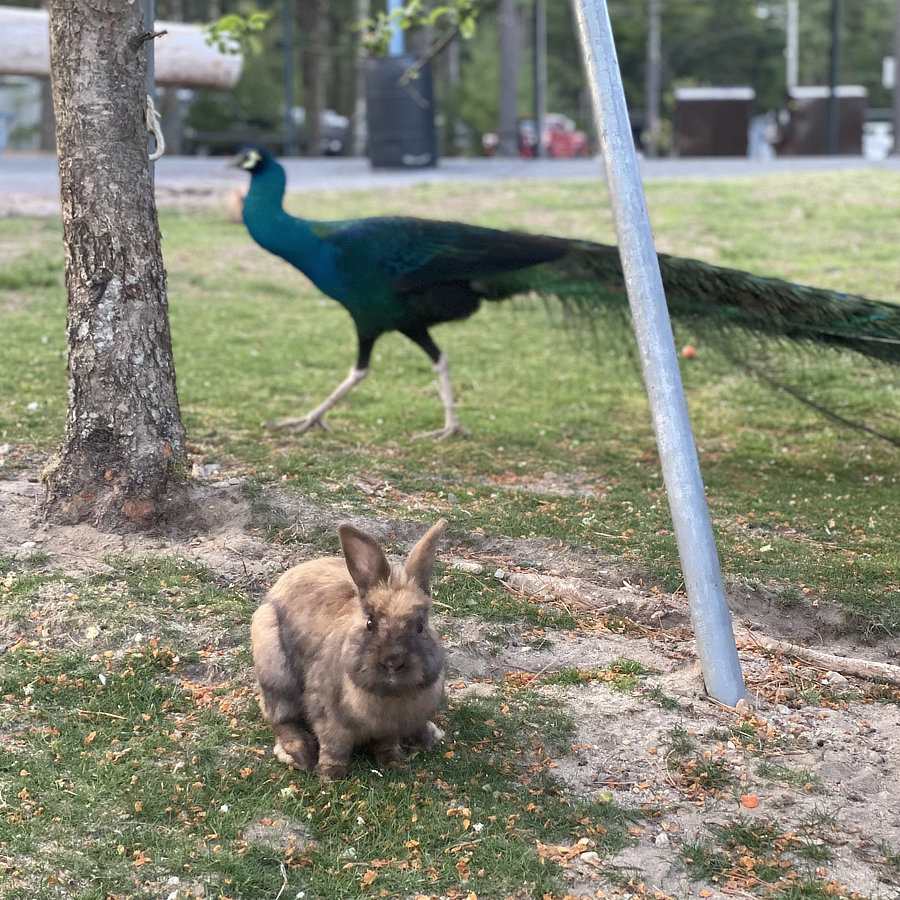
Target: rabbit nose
x=394 y=662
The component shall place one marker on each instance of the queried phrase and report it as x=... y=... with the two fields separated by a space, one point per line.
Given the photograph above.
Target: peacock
x=406 y=274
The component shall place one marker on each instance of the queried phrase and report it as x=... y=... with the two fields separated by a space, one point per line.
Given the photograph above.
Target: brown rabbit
x=345 y=654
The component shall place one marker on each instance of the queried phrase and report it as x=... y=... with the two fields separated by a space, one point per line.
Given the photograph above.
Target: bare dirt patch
x=815 y=761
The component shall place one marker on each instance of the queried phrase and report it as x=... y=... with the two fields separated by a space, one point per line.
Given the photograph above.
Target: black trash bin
x=400 y=114
x=712 y=121
x=804 y=121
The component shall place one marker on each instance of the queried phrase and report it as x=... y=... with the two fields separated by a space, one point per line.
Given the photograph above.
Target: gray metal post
x=678 y=455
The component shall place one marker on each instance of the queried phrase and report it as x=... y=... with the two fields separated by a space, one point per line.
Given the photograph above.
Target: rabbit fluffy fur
x=345 y=655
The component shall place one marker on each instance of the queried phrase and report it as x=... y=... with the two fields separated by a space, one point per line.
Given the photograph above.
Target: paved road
x=321 y=174
x=32 y=175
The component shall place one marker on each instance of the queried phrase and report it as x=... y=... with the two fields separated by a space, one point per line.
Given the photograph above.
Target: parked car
x=333 y=134
x=560 y=140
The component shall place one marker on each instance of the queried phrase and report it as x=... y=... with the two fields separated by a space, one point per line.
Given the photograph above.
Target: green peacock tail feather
x=750 y=320
x=713 y=299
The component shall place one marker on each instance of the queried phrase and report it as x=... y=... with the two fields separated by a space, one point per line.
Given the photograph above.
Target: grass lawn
x=122 y=767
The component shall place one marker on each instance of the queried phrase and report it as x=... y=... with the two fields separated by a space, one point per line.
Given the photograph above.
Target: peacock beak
x=247 y=159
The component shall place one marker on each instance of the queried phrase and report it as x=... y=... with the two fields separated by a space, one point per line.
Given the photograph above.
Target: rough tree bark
x=124 y=445
x=314 y=29
x=509 y=79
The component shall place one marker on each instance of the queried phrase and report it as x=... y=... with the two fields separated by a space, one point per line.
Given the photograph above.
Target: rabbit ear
x=420 y=562
x=365 y=560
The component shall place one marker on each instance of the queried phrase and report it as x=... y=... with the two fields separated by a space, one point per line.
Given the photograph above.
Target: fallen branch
x=598 y=599
x=588 y=596
x=843 y=665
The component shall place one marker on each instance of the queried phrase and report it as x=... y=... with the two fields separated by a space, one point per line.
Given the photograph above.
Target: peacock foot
x=440 y=434
x=298 y=426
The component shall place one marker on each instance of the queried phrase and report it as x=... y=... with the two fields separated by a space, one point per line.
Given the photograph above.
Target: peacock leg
x=445 y=391
x=317 y=415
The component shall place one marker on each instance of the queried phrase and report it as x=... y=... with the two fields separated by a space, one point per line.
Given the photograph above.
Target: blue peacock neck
x=265 y=217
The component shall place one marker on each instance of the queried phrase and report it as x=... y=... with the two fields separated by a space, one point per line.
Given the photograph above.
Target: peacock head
x=253 y=159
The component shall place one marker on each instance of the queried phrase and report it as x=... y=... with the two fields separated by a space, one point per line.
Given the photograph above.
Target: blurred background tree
x=704 y=42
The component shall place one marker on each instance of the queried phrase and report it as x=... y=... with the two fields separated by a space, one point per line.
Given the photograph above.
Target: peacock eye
x=370 y=624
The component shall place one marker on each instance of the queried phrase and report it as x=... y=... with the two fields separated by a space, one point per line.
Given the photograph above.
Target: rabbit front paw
x=426 y=737
x=296 y=747
x=331 y=771
x=389 y=755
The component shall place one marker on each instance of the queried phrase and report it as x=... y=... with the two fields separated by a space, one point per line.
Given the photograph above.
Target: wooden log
x=867 y=669
x=183 y=56
x=584 y=595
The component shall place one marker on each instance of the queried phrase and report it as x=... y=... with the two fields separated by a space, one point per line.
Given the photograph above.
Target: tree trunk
x=509 y=78
x=895 y=151
x=358 y=130
x=124 y=441
x=314 y=31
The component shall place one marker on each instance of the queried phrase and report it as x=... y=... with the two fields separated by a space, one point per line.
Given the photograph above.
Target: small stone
x=836 y=680
x=662 y=840
x=452 y=499
x=5 y=449
x=205 y=471
x=590 y=857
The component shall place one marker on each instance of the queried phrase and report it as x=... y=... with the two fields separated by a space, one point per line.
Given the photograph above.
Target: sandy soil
x=824 y=771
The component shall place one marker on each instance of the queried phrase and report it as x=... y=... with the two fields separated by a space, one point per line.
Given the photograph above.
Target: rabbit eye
x=420 y=628
x=370 y=624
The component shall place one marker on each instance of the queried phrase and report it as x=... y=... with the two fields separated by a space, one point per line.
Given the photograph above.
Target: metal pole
x=287 y=25
x=834 y=65
x=540 y=72
x=678 y=455
x=792 y=45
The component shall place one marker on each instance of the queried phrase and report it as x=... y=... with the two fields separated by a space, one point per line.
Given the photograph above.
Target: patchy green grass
x=801 y=507
x=622 y=674
x=134 y=762
x=658 y=695
x=463 y=594
x=693 y=768
x=133 y=752
x=762 y=858
x=786 y=775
